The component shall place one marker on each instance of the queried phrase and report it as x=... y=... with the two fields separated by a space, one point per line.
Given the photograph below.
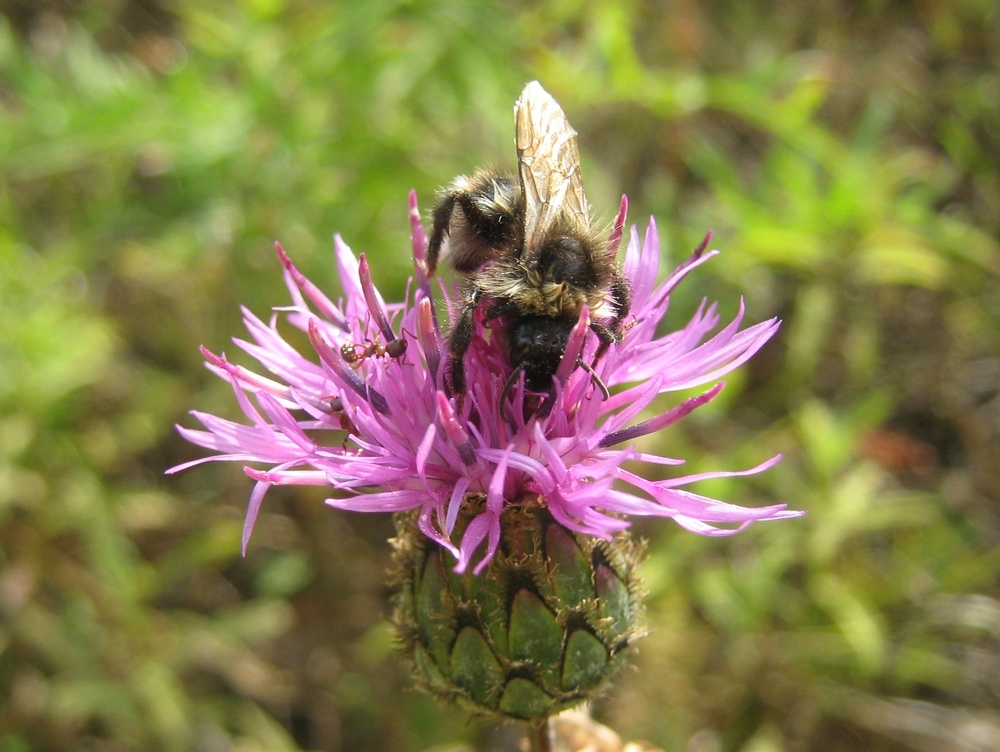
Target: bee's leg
x=548 y=403
x=623 y=297
x=441 y=221
x=511 y=380
x=489 y=207
x=608 y=334
x=461 y=338
x=441 y=225
x=598 y=381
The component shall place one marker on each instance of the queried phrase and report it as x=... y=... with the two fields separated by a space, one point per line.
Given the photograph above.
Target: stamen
x=616 y=233
x=574 y=346
x=511 y=380
x=374 y=304
x=246 y=376
x=427 y=336
x=661 y=421
x=342 y=369
x=455 y=432
x=702 y=245
x=551 y=394
x=323 y=304
x=327 y=406
x=419 y=240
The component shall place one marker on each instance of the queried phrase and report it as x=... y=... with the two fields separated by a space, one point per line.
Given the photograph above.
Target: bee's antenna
x=511 y=380
x=596 y=379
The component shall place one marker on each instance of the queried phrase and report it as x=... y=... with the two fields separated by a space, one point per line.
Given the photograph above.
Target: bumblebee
x=529 y=251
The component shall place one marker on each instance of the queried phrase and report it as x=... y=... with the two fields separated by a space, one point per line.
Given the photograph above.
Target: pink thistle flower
x=410 y=446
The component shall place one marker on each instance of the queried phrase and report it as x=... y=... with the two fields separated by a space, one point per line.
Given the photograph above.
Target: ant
x=356 y=353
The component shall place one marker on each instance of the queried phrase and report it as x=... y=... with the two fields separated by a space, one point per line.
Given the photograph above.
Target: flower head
x=408 y=445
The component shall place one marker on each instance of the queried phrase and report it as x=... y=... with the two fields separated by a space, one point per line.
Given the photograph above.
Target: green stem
x=540 y=736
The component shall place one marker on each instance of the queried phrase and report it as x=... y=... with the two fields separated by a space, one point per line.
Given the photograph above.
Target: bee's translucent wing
x=548 y=164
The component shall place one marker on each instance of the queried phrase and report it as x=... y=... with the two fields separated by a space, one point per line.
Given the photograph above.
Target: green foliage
x=845 y=156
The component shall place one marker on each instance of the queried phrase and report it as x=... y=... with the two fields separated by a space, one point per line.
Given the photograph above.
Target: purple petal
x=616 y=231
x=253 y=509
x=403 y=443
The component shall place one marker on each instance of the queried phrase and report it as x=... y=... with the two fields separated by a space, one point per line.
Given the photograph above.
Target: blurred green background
x=847 y=156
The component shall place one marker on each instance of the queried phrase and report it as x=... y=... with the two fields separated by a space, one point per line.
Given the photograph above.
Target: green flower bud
x=544 y=627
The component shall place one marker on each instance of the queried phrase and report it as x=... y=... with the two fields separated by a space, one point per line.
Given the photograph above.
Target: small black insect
x=529 y=251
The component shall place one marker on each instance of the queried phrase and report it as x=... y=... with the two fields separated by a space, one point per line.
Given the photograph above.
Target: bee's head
x=566 y=258
x=537 y=344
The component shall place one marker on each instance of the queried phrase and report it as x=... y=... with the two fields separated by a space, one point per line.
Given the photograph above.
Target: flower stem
x=540 y=736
